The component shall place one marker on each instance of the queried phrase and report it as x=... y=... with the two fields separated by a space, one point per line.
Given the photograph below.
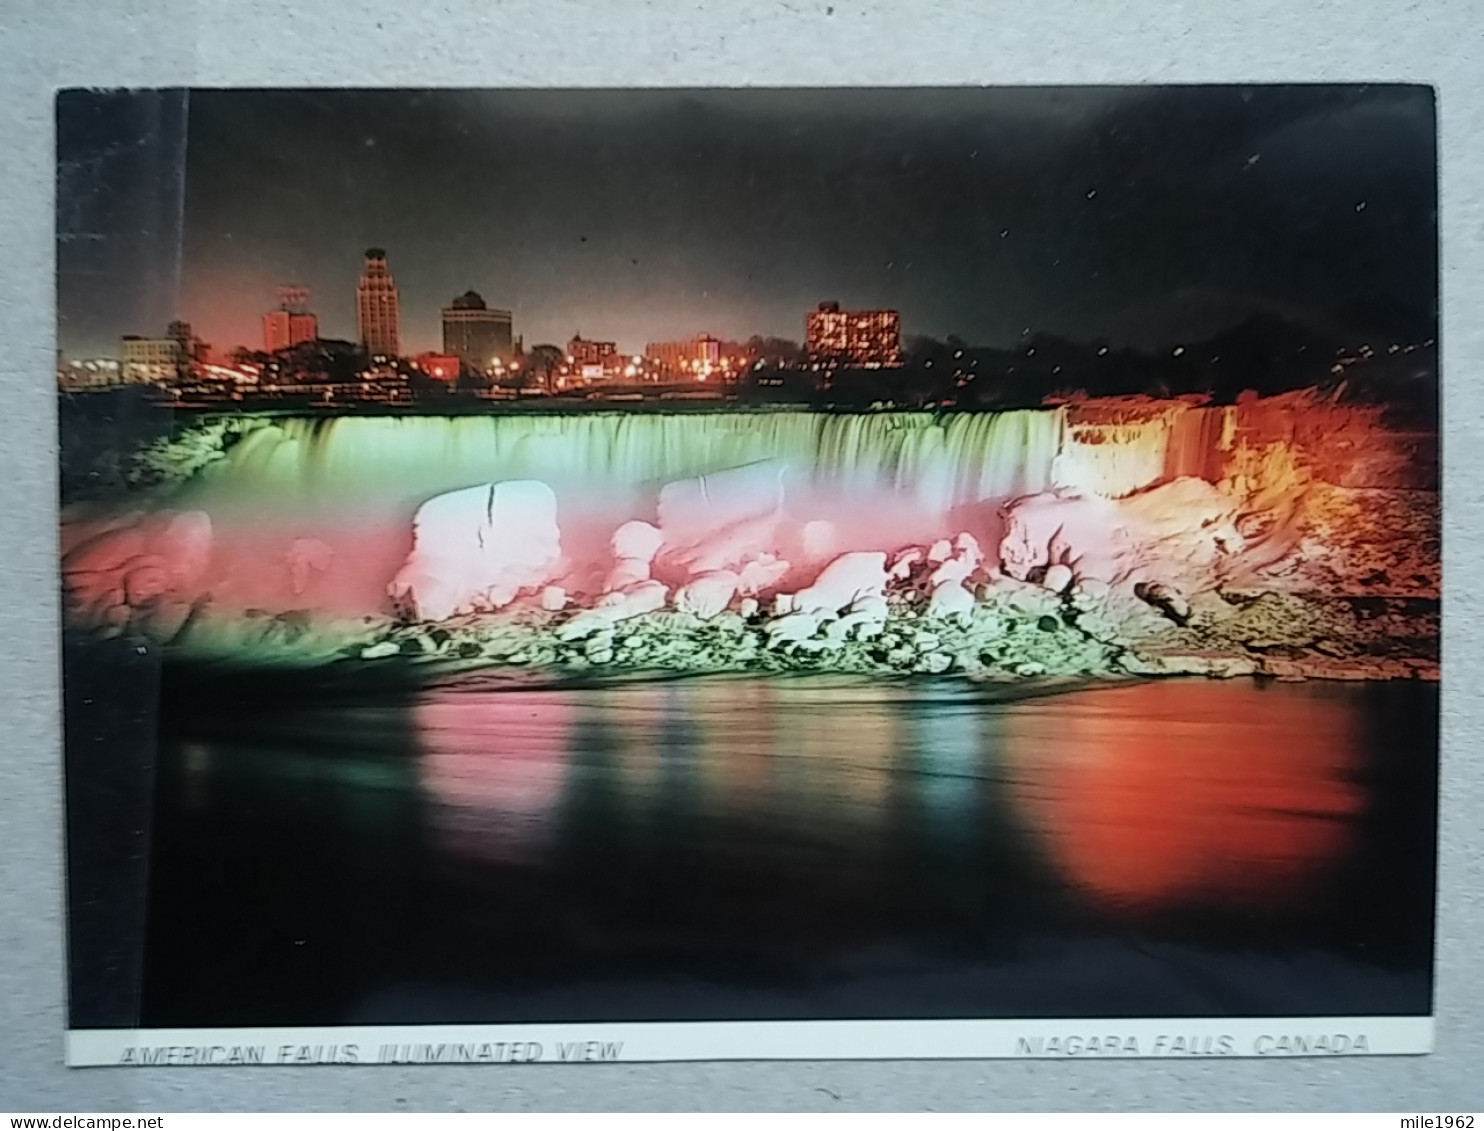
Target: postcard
x=606 y=575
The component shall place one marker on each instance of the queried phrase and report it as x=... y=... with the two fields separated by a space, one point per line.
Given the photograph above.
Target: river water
x=744 y=847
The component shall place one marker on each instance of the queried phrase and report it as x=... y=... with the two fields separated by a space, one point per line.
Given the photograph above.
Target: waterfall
x=935 y=461
x=1197 y=441
x=1117 y=458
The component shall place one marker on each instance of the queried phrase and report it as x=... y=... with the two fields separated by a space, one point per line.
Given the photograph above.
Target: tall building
x=291 y=323
x=477 y=335
x=376 y=307
x=699 y=354
x=868 y=338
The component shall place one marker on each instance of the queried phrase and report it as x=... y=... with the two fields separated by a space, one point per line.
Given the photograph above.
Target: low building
x=700 y=355
x=439 y=366
x=291 y=324
x=867 y=338
x=284 y=329
x=152 y=361
x=582 y=351
x=95 y=373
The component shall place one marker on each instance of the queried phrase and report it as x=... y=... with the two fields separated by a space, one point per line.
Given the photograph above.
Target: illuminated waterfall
x=1115 y=459
x=937 y=462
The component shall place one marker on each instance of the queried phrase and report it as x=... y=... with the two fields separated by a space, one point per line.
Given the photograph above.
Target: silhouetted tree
x=541 y=364
x=775 y=351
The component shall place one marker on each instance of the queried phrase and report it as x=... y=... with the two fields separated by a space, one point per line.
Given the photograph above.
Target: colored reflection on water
x=508 y=771
x=767 y=847
x=496 y=765
x=1163 y=793
x=1149 y=795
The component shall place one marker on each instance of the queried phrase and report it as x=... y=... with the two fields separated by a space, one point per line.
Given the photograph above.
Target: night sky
x=1135 y=215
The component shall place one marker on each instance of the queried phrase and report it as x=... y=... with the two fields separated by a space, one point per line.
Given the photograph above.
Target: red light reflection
x=495 y=766
x=1156 y=794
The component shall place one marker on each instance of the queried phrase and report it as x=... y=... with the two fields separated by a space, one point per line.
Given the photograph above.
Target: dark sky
x=1139 y=215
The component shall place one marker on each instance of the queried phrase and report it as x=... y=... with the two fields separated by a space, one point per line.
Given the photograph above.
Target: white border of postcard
x=609 y=1042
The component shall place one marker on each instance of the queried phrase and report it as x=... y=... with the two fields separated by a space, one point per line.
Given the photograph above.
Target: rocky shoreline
x=1025 y=634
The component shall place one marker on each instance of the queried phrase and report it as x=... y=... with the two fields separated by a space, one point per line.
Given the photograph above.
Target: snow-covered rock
x=479 y=547
x=761 y=573
x=690 y=510
x=794 y=629
x=185 y=543
x=848 y=578
x=902 y=563
x=966 y=546
x=707 y=595
x=646 y=597
x=307 y=559
x=863 y=620
x=633 y=545
x=118 y=576
x=105 y=552
x=721 y=520
x=1186 y=524
x=148 y=578
x=819 y=540
x=612 y=608
x=1058 y=577
x=951 y=600
x=636 y=540
x=729 y=547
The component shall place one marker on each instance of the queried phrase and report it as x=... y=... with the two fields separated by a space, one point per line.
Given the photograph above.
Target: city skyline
x=636 y=216
x=1039 y=622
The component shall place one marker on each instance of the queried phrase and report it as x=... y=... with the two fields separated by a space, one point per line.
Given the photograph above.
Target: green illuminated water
x=940 y=461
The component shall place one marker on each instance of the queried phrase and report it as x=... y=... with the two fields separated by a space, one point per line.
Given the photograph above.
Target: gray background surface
x=45 y=44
